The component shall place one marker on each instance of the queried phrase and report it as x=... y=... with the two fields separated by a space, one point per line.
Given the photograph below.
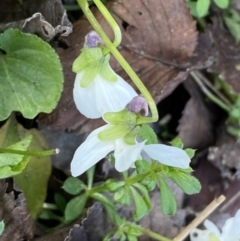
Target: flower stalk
x=30 y=153
x=85 y=8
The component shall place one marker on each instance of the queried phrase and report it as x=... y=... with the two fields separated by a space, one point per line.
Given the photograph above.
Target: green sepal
x=75 y=207
x=113 y=132
x=141 y=206
x=222 y=3
x=168 y=202
x=130 y=138
x=123 y=196
x=73 y=185
x=106 y=72
x=147 y=133
x=190 y=152
x=88 y=57
x=189 y=184
x=123 y=117
x=89 y=74
x=177 y=142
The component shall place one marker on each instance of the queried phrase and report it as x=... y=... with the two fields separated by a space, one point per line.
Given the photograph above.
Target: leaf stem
x=84 y=6
x=212 y=97
x=113 y=24
x=30 y=153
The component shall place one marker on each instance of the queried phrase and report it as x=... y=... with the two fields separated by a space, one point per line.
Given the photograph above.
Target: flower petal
x=126 y=155
x=113 y=96
x=230 y=230
x=199 y=235
x=168 y=155
x=90 y=152
x=211 y=227
x=85 y=98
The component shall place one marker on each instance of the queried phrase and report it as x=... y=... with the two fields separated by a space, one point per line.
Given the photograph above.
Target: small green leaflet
x=31 y=78
x=73 y=185
x=147 y=133
x=222 y=3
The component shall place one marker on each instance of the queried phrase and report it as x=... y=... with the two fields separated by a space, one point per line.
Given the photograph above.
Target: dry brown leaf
x=45 y=18
x=159 y=38
x=196 y=125
x=18 y=222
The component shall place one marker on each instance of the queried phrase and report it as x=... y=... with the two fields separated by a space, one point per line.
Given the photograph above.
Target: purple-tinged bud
x=92 y=39
x=138 y=105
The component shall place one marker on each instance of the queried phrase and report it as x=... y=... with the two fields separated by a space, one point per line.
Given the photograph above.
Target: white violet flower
x=119 y=136
x=97 y=88
x=230 y=231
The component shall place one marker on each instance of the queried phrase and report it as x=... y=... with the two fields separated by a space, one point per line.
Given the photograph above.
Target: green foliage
x=75 y=207
x=202 y=7
x=2 y=226
x=189 y=184
x=60 y=201
x=12 y=164
x=73 y=185
x=33 y=180
x=168 y=202
x=31 y=77
x=222 y=3
x=147 y=133
x=232 y=20
x=190 y=152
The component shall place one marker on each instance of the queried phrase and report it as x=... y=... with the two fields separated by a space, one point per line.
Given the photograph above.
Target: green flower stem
x=113 y=24
x=150 y=233
x=212 y=97
x=84 y=6
x=30 y=153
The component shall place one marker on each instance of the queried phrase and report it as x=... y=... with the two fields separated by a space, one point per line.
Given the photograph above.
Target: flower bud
x=138 y=105
x=93 y=39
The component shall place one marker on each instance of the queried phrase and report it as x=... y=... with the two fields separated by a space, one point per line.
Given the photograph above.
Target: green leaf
x=2 y=226
x=75 y=207
x=168 y=202
x=202 y=7
x=232 y=20
x=49 y=215
x=141 y=206
x=222 y=3
x=189 y=184
x=31 y=77
x=193 y=8
x=60 y=201
x=177 y=142
x=73 y=186
x=34 y=178
x=112 y=185
x=147 y=133
x=9 y=159
x=145 y=193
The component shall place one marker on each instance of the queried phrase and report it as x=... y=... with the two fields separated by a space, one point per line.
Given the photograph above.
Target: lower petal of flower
x=168 y=155
x=90 y=152
x=85 y=99
x=126 y=155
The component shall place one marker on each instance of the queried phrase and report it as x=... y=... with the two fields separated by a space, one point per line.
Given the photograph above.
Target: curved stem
x=84 y=6
x=113 y=24
x=30 y=153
